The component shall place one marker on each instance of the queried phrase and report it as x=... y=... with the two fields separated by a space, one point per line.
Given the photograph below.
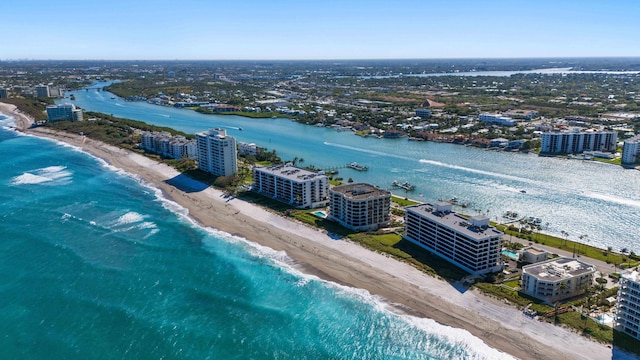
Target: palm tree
x=565 y=235
x=584 y=245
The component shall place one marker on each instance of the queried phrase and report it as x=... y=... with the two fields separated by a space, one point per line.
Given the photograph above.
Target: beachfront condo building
x=469 y=243
x=627 y=313
x=360 y=207
x=4 y=93
x=557 y=279
x=286 y=183
x=217 y=153
x=163 y=143
x=63 y=112
x=577 y=142
x=630 y=150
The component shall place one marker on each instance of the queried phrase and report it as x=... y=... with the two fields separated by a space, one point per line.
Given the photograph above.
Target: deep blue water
x=588 y=198
x=96 y=265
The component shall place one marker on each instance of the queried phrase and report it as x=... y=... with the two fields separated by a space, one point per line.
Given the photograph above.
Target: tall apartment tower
x=627 y=315
x=67 y=112
x=360 y=207
x=217 y=153
x=43 y=91
x=469 y=243
x=630 y=150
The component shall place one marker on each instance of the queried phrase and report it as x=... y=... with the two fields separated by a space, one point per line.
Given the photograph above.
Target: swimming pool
x=511 y=254
x=606 y=319
x=320 y=214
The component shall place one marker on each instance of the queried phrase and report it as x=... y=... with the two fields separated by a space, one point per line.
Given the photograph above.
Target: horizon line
x=339 y=59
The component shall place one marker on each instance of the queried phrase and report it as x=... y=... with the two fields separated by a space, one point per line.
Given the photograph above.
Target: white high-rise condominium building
x=217 y=152
x=577 y=142
x=67 y=112
x=630 y=150
x=469 y=243
x=360 y=207
x=289 y=184
x=43 y=91
x=627 y=314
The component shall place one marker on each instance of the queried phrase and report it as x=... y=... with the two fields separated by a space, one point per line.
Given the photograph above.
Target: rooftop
x=558 y=269
x=476 y=227
x=219 y=133
x=534 y=251
x=360 y=191
x=632 y=275
x=290 y=172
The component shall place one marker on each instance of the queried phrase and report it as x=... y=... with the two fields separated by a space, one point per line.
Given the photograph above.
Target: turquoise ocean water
x=97 y=265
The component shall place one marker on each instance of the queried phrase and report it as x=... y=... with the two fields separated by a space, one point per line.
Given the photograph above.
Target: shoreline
x=409 y=290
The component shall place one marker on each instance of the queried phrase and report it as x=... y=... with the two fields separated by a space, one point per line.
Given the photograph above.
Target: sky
x=313 y=29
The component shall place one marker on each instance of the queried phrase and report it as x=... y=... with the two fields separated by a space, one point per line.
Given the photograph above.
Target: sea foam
x=473 y=348
x=52 y=175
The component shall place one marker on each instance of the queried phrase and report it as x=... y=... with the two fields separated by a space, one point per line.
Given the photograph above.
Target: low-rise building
x=423 y=113
x=531 y=255
x=521 y=114
x=497 y=119
x=289 y=184
x=163 y=143
x=557 y=279
x=360 y=207
x=469 y=243
x=499 y=142
x=246 y=149
x=627 y=313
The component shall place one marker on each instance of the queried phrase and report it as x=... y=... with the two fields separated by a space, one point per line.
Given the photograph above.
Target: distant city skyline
x=298 y=30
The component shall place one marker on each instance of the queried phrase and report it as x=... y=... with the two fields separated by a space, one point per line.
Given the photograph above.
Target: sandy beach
x=407 y=289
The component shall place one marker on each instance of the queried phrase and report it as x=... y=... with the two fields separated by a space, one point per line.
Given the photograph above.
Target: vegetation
x=403 y=202
x=33 y=107
x=586 y=326
x=608 y=256
x=111 y=130
x=253 y=115
x=403 y=250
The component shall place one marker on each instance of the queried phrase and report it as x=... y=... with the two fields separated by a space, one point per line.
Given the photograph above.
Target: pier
x=352 y=165
x=405 y=185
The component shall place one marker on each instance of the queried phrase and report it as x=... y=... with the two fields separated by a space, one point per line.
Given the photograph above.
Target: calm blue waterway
x=598 y=200
x=96 y=265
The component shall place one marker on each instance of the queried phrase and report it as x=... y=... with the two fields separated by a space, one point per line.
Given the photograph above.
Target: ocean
x=96 y=264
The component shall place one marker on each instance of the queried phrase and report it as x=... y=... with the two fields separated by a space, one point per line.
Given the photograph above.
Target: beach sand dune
x=409 y=290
